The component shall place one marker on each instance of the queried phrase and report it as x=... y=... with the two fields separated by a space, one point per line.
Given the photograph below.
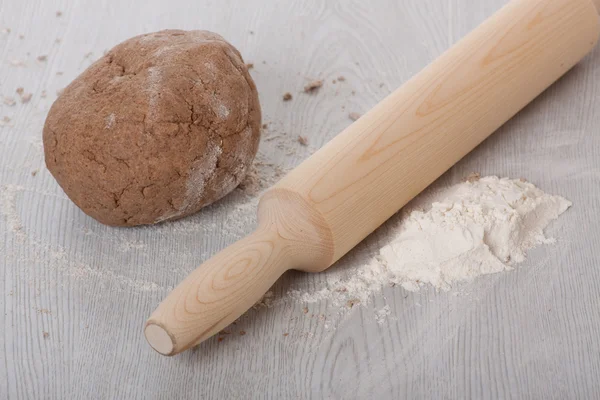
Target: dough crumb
x=17 y=63
x=287 y=96
x=354 y=116
x=46 y=335
x=265 y=302
x=352 y=303
x=9 y=101
x=5 y=121
x=341 y=78
x=25 y=97
x=313 y=86
x=44 y=94
x=42 y=58
x=303 y=140
x=285 y=334
x=472 y=177
x=242 y=333
x=34 y=173
x=59 y=14
x=265 y=126
x=249 y=65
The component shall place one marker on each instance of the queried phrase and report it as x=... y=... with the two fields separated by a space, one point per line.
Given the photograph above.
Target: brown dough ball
x=161 y=126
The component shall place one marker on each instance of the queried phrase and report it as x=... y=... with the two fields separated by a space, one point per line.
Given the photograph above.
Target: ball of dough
x=161 y=126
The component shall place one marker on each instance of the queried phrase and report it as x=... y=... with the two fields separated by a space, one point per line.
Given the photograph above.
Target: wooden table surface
x=74 y=294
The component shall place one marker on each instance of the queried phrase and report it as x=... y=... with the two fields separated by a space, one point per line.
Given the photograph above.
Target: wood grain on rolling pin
x=369 y=171
x=353 y=184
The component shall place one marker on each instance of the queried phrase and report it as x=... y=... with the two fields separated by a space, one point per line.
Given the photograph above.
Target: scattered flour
x=381 y=315
x=8 y=209
x=482 y=226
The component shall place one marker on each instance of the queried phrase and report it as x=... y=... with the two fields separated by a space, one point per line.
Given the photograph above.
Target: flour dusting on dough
x=200 y=172
x=154 y=89
x=110 y=121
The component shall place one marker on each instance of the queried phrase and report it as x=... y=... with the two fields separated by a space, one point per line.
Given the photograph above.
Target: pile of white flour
x=481 y=226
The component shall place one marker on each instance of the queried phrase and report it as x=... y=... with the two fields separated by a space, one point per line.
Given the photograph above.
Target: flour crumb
x=45 y=334
x=341 y=78
x=381 y=315
x=9 y=101
x=59 y=14
x=313 y=86
x=42 y=58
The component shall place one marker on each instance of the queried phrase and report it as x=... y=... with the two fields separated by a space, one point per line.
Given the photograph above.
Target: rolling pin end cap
x=159 y=339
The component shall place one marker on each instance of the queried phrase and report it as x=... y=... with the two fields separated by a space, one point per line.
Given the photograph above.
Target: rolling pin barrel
x=343 y=192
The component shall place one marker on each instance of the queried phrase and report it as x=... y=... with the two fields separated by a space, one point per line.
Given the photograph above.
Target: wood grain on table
x=75 y=293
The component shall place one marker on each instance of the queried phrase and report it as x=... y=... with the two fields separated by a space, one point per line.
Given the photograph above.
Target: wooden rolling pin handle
x=224 y=287
x=217 y=292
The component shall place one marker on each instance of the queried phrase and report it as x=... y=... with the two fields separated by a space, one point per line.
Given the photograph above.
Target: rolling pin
x=344 y=191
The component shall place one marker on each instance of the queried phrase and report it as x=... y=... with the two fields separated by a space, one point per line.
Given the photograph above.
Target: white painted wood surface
x=530 y=333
